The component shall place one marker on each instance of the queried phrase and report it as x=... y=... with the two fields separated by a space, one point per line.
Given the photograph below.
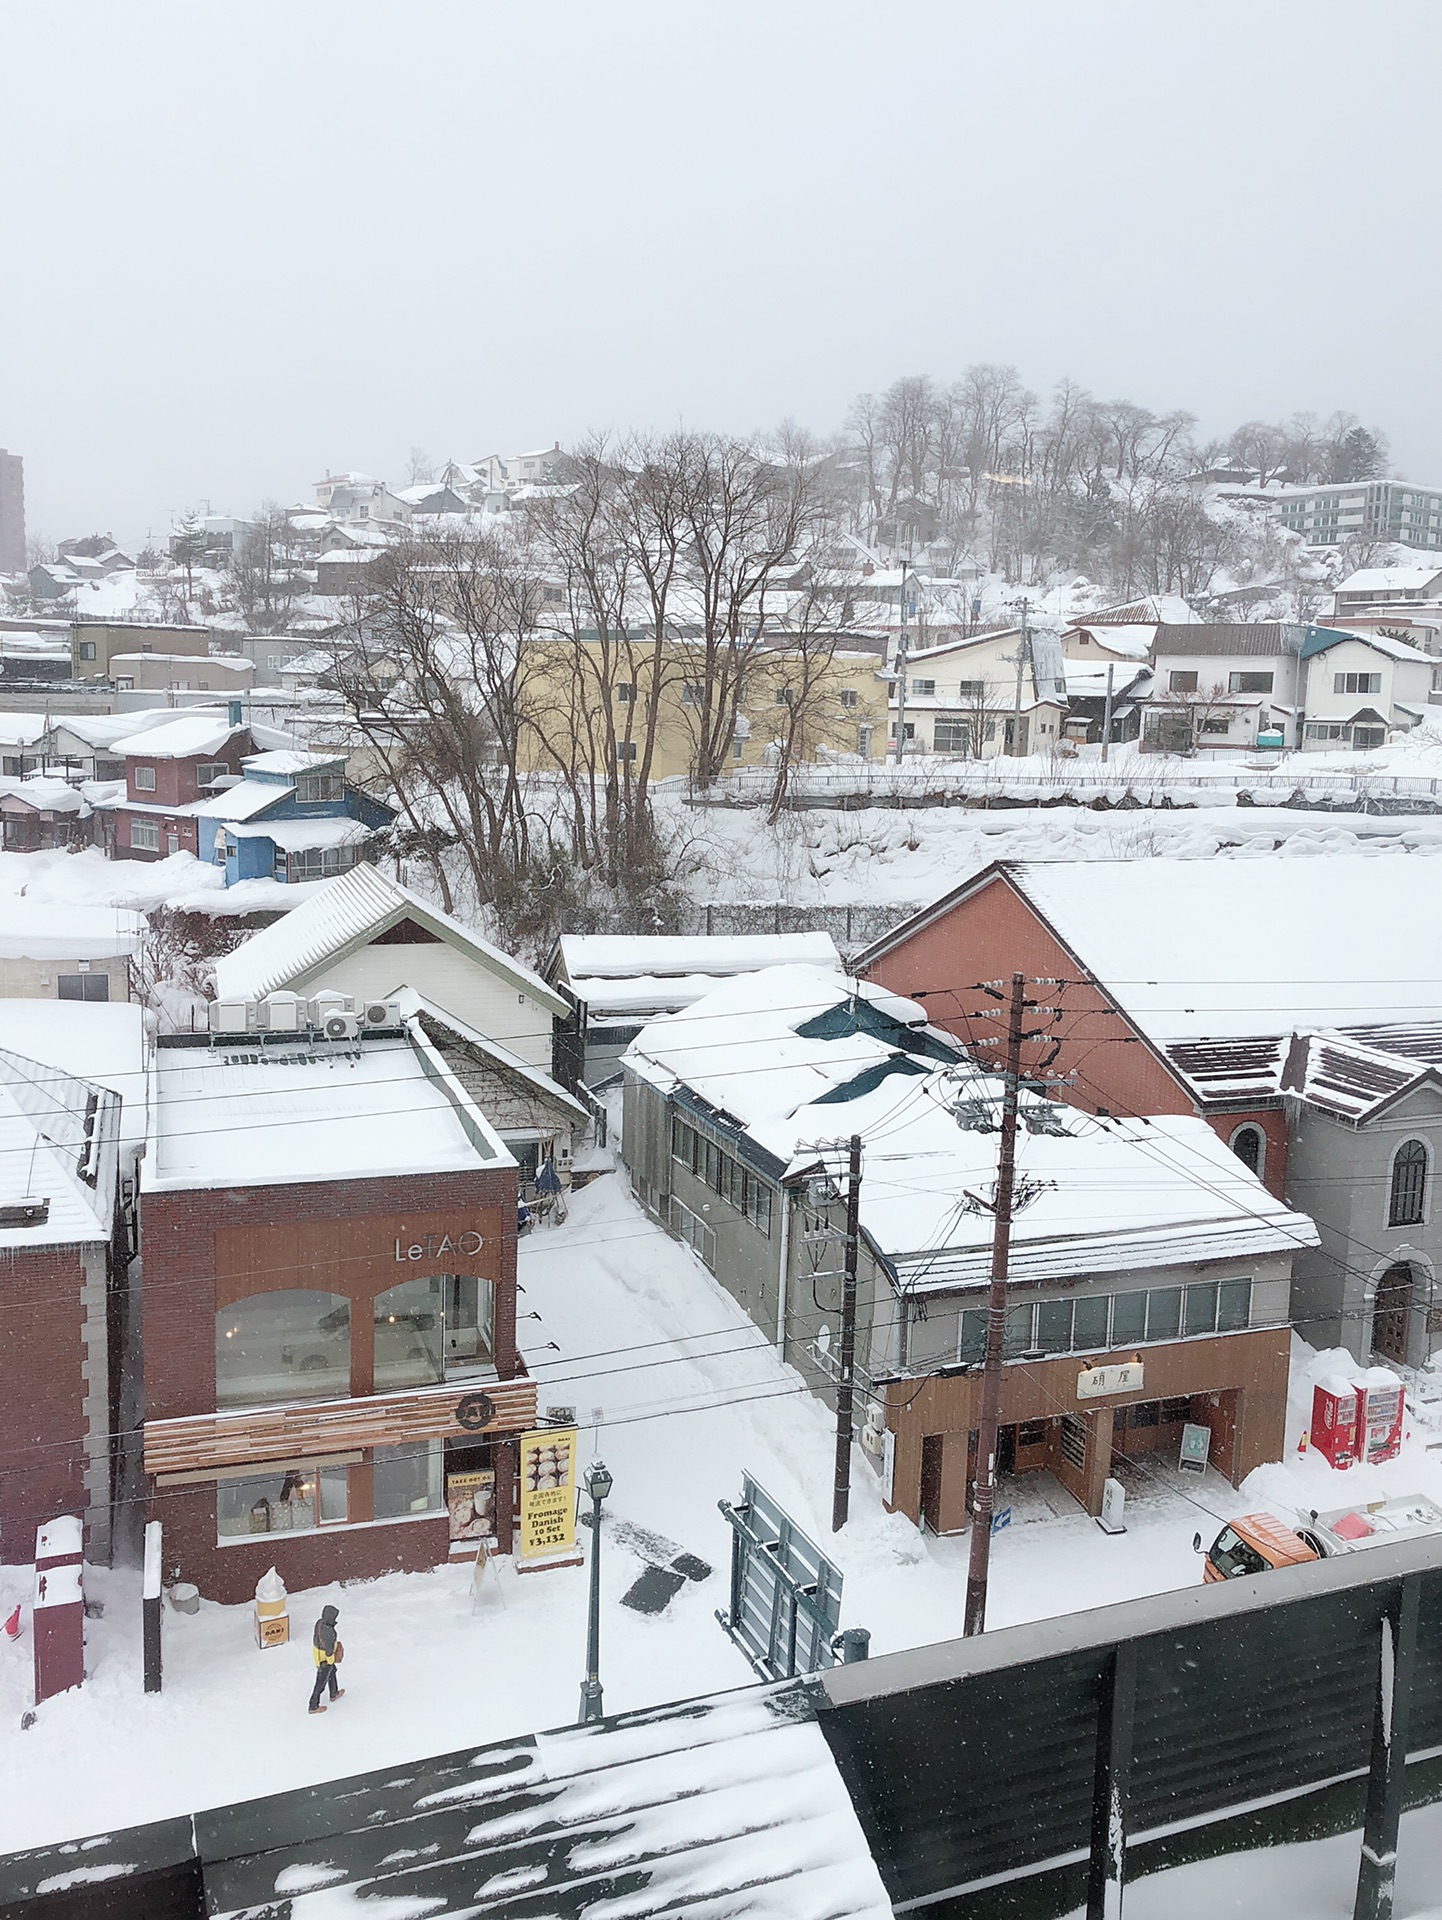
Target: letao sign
x=1095 y=1382
x=548 y=1493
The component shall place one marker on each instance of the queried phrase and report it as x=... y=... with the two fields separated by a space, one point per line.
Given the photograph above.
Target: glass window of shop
x=434 y=1327
x=288 y=1345
x=282 y=1500
x=408 y=1479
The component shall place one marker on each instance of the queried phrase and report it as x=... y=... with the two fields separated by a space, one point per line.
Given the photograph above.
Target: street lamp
x=598 y=1484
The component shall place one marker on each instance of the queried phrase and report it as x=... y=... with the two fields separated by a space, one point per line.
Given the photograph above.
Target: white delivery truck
x=1373 y=1524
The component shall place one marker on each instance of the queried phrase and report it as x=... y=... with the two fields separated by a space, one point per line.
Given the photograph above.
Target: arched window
x=288 y=1345
x=1250 y=1146
x=1409 y=1184
x=436 y=1327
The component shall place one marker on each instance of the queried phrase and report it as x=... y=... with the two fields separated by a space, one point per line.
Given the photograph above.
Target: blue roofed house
x=291 y=816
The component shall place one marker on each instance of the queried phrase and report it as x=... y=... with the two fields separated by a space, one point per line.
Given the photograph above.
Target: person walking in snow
x=328 y=1655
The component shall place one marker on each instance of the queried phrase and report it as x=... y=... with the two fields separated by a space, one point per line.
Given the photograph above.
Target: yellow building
x=587 y=703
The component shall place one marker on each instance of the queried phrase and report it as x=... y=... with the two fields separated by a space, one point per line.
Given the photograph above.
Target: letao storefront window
x=291 y=1345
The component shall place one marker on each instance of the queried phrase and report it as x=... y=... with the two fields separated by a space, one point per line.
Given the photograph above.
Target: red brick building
x=329 y=1244
x=167 y=770
x=1150 y=1013
x=62 y=1263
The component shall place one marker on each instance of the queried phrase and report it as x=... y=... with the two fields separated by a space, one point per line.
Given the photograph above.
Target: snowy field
x=690 y=1396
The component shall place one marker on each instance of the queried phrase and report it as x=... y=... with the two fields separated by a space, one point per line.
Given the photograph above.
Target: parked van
x=1259 y=1541
x=1254 y=1544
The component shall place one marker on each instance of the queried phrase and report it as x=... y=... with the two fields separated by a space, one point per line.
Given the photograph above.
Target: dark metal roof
x=1246 y=1069
x=1229 y=639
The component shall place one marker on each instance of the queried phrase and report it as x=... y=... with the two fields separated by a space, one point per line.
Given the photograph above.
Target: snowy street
x=691 y=1395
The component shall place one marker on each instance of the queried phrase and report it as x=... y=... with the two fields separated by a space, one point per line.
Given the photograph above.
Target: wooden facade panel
x=1236 y=1382
x=216 y=1440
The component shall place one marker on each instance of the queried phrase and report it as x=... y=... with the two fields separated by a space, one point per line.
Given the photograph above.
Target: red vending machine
x=1336 y=1417
x=1384 y=1404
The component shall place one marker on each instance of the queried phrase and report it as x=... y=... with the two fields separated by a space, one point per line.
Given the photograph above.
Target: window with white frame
x=849 y=697
x=313 y=787
x=1356 y=683
x=145 y=836
x=209 y=771
x=320 y=863
x=145 y=779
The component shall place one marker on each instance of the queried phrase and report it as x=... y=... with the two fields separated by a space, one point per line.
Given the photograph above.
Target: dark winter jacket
x=324 y=1637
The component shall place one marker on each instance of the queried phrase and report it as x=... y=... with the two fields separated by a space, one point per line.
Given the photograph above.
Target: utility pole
x=1107 y=717
x=846 y=1374
x=1023 y=657
x=983 y=1497
x=902 y=649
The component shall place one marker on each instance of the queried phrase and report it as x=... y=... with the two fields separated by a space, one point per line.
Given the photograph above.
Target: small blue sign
x=1000 y=1520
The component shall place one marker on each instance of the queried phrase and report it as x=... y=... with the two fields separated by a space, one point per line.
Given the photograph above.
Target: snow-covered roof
x=195 y=733
x=1323 y=639
x=31 y=1169
x=1390 y=580
x=183 y=659
x=410 y=1002
x=100 y=1041
x=102 y=730
x=22 y=729
x=242 y=801
x=1130 y=639
x=230 y=1116
x=1194 y=949
x=1087 y=679
x=43 y=792
x=348 y=913
x=778 y=1057
x=34 y=930
x=621 y=956
x=293 y=836
x=289 y=760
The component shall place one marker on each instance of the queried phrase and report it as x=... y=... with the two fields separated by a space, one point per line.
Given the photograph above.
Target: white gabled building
x=365 y=935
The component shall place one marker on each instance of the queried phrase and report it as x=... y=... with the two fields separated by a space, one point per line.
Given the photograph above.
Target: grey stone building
x=1365 y=1126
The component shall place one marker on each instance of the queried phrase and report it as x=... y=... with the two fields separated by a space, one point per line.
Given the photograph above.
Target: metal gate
x=785 y=1594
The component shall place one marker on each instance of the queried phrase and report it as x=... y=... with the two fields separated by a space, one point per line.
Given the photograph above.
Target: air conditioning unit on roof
x=327 y=1002
x=231 y=1016
x=340 y=1026
x=380 y=1013
x=283 y=1013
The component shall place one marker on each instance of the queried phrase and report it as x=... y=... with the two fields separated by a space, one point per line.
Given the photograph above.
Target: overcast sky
x=248 y=240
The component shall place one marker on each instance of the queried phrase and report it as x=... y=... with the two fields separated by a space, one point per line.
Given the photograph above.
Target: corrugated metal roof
x=346 y=914
x=1228 y=639
x=1246 y=1069
x=1098 y=1256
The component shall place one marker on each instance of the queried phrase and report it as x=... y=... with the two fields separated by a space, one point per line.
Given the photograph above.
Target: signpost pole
x=150 y=1606
x=984 y=1496
x=598 y=1485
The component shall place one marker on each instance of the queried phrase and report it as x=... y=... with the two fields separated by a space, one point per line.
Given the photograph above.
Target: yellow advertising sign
x=548 y=1492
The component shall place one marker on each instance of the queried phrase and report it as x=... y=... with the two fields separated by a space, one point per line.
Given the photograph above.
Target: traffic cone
x=12 y=1626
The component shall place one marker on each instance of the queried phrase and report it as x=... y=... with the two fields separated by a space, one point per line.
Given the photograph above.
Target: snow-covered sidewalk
x=691 y=1395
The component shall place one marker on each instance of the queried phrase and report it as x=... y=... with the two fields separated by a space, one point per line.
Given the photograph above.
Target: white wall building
x=1358 y=688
